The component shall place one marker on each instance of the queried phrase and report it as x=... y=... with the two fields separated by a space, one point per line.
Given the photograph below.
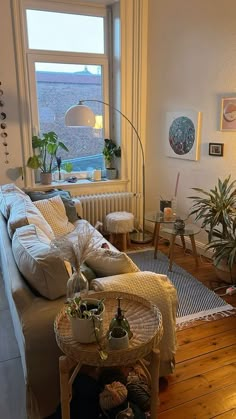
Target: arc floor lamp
x=81 y=115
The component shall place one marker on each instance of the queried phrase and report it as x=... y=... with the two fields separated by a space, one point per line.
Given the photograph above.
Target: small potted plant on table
x=86 y=317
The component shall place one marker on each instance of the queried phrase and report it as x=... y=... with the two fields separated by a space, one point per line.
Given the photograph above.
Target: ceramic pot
x=83 y=330
x=46 y=178
x=223 y=272
x=118 y=338
x=111 y=173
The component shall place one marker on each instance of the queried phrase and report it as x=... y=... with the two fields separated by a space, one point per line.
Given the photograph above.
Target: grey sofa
x=33 y=319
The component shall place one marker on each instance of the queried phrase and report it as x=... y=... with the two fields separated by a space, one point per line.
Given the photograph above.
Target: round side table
x=146 y=324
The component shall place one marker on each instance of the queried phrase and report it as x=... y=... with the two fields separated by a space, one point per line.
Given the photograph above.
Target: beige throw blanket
x=159 y=290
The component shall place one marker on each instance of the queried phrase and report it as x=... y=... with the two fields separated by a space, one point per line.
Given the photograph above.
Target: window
x=67 y=63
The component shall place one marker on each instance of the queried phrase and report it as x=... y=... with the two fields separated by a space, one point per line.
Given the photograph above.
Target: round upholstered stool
x=121 y=223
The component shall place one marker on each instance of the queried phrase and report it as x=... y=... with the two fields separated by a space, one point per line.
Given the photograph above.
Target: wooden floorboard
x=203 y=385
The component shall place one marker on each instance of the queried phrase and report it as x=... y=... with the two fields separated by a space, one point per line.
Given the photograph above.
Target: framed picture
x=183 y=134
x=228 y=114
x=216 y=149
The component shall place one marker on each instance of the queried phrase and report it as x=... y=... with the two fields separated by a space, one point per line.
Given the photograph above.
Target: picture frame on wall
x=183 y=134
x=228 y=114
x=216 y=149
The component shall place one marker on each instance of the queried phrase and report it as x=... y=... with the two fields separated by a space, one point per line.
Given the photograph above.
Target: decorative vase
x=77 y=283
x=46 y=178
x=179 y=224
x=88 y=330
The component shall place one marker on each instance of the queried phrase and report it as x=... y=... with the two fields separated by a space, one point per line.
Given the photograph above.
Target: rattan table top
x=145 y=322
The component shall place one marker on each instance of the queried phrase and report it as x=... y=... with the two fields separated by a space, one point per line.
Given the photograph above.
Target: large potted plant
x=47 y=147
x=110 y=151
x=216 y=210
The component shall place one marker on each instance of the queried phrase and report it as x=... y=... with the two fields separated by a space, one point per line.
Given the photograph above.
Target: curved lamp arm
x=144 y=238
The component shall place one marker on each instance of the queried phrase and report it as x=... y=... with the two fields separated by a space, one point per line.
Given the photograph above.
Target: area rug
x=195 y=300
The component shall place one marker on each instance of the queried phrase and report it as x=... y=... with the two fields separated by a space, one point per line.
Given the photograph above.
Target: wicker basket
x=145 y=322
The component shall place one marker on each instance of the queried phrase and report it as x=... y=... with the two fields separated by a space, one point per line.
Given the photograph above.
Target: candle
x=168 y=213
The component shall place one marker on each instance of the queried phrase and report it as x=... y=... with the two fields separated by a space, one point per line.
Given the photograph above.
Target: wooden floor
x=204 y=382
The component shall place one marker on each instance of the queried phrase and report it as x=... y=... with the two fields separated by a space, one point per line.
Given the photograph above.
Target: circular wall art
x=183 y=134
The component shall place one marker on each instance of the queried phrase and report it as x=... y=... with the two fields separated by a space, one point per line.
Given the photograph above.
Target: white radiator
x=96 y=207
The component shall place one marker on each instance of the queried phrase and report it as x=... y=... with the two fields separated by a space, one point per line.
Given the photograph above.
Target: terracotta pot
x=46 y=178
x=222 y=272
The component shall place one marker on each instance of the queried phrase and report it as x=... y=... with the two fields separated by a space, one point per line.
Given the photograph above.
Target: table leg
x=171 y=253
x=157 y=232
x=194 y=249
x=154 y=371
x=183 y=241
x=65 y=365
x=154 y=234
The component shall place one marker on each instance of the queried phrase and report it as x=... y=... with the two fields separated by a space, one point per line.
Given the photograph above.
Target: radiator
x=96 y=207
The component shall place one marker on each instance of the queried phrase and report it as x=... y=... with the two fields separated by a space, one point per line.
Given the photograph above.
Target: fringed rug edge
x=206 y=315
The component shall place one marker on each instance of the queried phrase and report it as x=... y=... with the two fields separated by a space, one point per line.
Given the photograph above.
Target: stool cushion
x=119 y=222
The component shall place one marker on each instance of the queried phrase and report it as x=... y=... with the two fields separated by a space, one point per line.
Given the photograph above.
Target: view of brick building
x=56 y=92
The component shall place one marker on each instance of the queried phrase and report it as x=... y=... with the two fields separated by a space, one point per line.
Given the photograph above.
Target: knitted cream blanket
x=156 y=288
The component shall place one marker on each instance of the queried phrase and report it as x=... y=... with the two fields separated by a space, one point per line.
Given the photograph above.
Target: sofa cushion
x=66 y=199
x=8 y=194
x=54 y=213
x=106 y=262
x=39 y=263
x=24 y=212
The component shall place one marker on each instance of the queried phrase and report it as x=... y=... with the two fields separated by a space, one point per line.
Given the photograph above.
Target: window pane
x=65 y=32
x=60 y=86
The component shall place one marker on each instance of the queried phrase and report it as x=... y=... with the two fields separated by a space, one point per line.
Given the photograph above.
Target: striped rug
x=195 y=300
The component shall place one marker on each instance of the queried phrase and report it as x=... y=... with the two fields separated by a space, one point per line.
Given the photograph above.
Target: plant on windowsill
x=110 y=151
x=217 y=212
x=47 y=146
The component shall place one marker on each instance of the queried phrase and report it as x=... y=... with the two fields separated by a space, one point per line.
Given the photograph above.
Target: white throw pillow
x=24 y=212
x=40 y=265
x=53 y=210
x=106 y=262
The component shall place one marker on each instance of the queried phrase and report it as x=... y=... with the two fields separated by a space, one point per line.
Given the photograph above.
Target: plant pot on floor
x=223 y=272
x=111 y=173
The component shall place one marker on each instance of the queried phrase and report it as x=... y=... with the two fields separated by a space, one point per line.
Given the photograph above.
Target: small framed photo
x=216 y=149
x=228 y=114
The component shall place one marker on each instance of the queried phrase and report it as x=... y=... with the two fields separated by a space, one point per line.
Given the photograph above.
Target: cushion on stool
x=120 y=222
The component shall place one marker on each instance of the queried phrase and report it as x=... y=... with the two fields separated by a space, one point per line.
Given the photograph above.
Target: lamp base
x=141 y=237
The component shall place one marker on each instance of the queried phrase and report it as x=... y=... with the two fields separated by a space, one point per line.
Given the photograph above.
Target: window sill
x=84 y=185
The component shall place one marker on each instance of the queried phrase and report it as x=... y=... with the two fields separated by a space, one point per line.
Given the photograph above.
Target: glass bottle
x=77 y=283
x=120 y=321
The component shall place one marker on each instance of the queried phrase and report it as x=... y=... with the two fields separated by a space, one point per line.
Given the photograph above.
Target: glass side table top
x=158 y=217
x=188 y=230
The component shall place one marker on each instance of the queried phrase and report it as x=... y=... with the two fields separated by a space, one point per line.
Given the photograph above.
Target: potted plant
x=110 y=150
x=47 y=146
x=216 y=209
x=86 y=316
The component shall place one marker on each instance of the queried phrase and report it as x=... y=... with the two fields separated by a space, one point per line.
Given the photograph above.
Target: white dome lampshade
x=79 y=116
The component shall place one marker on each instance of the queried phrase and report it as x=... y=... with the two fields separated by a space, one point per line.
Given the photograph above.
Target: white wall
x=191 y=65
x=9 y=172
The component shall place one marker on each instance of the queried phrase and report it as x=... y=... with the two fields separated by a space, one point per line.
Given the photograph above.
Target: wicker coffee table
x=146 y=324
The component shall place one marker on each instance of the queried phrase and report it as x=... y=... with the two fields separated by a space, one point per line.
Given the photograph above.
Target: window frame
x=37 y=55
